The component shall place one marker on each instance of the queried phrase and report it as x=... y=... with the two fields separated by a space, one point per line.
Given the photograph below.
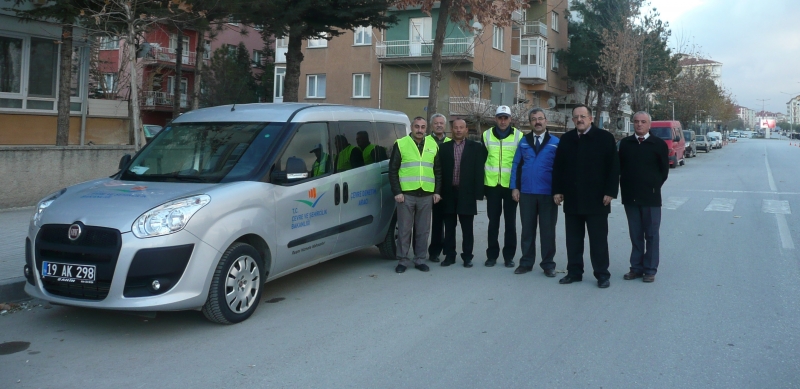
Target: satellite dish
x=551 y=102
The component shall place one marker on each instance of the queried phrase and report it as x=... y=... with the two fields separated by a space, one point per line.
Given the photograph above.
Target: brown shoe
x=631 y=275
x=649 y=278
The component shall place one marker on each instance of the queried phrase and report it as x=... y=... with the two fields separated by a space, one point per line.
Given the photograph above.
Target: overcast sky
x=757 y=41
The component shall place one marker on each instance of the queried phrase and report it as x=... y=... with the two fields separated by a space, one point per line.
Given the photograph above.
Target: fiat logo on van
x=74 y=232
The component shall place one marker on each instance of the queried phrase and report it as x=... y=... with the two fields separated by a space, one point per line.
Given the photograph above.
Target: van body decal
x=351 y=225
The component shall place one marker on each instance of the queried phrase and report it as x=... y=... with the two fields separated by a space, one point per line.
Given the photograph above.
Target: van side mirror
x=124 y=161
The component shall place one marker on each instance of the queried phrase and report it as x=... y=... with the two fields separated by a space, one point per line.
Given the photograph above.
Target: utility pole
x=673 y=109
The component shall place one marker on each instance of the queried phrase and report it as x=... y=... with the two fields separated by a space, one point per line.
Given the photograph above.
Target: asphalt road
x=723 y=312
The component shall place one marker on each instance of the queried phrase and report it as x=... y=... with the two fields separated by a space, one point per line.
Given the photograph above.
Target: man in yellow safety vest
x=501 y=143
x=350 y=157
x=415 y=177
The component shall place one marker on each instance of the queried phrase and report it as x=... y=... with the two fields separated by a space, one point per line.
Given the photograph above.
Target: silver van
x=219 y=202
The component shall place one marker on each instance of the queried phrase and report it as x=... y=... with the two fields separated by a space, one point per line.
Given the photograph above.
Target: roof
x=691 y=61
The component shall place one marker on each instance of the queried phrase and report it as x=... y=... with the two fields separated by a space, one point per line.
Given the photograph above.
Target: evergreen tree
x=228 y=79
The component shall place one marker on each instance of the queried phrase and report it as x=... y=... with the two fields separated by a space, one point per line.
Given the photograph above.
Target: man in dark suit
x=462 y=186
x=586 y=179
x=644 y=167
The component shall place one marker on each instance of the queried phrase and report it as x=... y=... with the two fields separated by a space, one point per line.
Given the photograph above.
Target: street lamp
x=673 y=109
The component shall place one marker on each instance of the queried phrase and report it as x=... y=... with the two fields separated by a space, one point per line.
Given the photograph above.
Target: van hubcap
x=243 y=281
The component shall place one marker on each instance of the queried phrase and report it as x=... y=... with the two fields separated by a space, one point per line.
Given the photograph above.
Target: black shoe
x=434 y=258
x=490 y=262
x=568 y=279
x=467 y=264
x=509 y=263
x=400 y=269
x=603 y=284
x=522 y=269
x=422 y=267
x=550 y=272
x=448 y=261
x=631 y=275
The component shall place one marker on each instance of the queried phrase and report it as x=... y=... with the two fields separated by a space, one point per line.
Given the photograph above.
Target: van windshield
x=204 y=152
x=662 y=132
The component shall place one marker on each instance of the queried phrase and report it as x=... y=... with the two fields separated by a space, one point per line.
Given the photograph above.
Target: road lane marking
x=783 y=227
x=721 y=205
x=776 y=206
x=674 y=202
x=740 y=191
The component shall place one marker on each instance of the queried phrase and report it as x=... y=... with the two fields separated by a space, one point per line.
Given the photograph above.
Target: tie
x=641 y=139
x=537 y=144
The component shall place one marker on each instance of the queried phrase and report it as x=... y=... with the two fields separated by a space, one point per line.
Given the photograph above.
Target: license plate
x=65 y=272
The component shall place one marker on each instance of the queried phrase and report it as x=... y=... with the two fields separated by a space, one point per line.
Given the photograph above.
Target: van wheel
x=388 y=247
x=236 y=287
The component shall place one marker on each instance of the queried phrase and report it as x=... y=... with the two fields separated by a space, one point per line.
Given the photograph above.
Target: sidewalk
x=13 y=229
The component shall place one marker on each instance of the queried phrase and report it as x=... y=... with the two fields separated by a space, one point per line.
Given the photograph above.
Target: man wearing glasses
x=531 y=187
x=586 y=179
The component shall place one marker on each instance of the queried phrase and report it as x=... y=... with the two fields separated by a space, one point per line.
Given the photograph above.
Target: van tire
x=388 y=247
x=240 y=261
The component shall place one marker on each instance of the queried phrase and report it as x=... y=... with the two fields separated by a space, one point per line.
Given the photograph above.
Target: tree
x=313 y=19
x=229 y=79
x=67 y=13
x=459 y=11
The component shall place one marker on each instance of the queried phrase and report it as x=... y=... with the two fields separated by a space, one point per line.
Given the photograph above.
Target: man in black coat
x=462 y=186
x=586 y=179
x=644 y=167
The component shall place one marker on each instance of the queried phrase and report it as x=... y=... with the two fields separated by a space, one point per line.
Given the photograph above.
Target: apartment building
x=747 y=115
x=793 y=110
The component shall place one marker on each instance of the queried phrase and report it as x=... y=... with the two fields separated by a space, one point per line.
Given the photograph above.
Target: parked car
x=691 y=145
x=219 y=202
x=703 y=143
x=150 y=131
x=717 y=138
x=672 y=133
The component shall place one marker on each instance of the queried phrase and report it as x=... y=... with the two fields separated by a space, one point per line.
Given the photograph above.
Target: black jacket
x=394 y=169
x=470 y=185
x=643 y=169
x=586 y=169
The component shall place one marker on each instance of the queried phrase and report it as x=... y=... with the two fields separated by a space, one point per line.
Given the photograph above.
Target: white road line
x=741 y=191
x=776 y=206
x=783 y=227
x=721 y=205
x=674 y=202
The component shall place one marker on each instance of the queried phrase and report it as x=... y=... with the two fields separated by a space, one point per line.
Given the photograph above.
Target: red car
x=672 y=133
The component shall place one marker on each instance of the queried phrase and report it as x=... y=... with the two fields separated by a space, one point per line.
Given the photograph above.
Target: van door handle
x=336 y=197
x=346 y=193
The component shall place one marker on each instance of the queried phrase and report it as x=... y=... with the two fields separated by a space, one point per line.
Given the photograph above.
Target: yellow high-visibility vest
x=367 y=153
x=343 y=163
x=500 y=157
x=320 y=165
x=446 y=139
x=416 y=171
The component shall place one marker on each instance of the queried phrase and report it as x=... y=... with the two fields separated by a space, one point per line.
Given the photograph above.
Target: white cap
x=503 y=110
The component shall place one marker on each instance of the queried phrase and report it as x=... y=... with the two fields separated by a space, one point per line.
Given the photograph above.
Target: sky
x=757 y=42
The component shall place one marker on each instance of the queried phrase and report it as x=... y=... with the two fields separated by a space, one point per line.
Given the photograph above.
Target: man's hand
x=515 y=194
x=607 y=200
x=436 y=198
x=558 y=198
x=400 y=198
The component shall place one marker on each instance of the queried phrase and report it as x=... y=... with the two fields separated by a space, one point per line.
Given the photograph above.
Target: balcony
x=161 y=99
x=518 y=16
x=472 y=106
x=532 y=74
x=158 y=54
x=515 y=62
x=532 y=28
x=408 y=51
x=555 y=117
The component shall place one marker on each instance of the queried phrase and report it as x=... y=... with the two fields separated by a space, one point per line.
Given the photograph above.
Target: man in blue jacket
x=531 y=187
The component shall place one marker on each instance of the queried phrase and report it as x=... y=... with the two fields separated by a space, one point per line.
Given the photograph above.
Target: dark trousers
x=437 y=230
x=538 y=209
x=499 y=202
x=467 y=236
x=643 y=224
x=575 y=227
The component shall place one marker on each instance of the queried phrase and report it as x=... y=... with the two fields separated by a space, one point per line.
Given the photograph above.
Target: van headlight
x=168 y=218
x=37 y=217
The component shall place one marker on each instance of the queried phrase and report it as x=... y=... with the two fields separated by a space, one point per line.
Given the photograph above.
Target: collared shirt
x=584 y=133
x=458 y=149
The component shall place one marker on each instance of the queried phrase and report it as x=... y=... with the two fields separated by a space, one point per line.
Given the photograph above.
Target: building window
x=109 y=82
x=419 y=84
x=319 y=42
x=207 y=50
x=554 y=21
x=258 y=58
x=315 y=88
x=553 y=62
x=361 y=85
x=532 y=51
x=497 y=40
x=280 y=73
x=43 y=68
x=363 y=36
x=109 y=43
x=10 y=65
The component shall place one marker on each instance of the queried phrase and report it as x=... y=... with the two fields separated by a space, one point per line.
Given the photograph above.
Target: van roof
x=283 y=112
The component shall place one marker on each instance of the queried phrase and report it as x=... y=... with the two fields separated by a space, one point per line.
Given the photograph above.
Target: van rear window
x=662 y=132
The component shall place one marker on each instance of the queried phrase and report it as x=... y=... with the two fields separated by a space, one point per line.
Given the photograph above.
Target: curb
x=13 y=291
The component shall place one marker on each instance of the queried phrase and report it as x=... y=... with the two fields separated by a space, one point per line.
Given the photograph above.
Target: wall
x=30 y=173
